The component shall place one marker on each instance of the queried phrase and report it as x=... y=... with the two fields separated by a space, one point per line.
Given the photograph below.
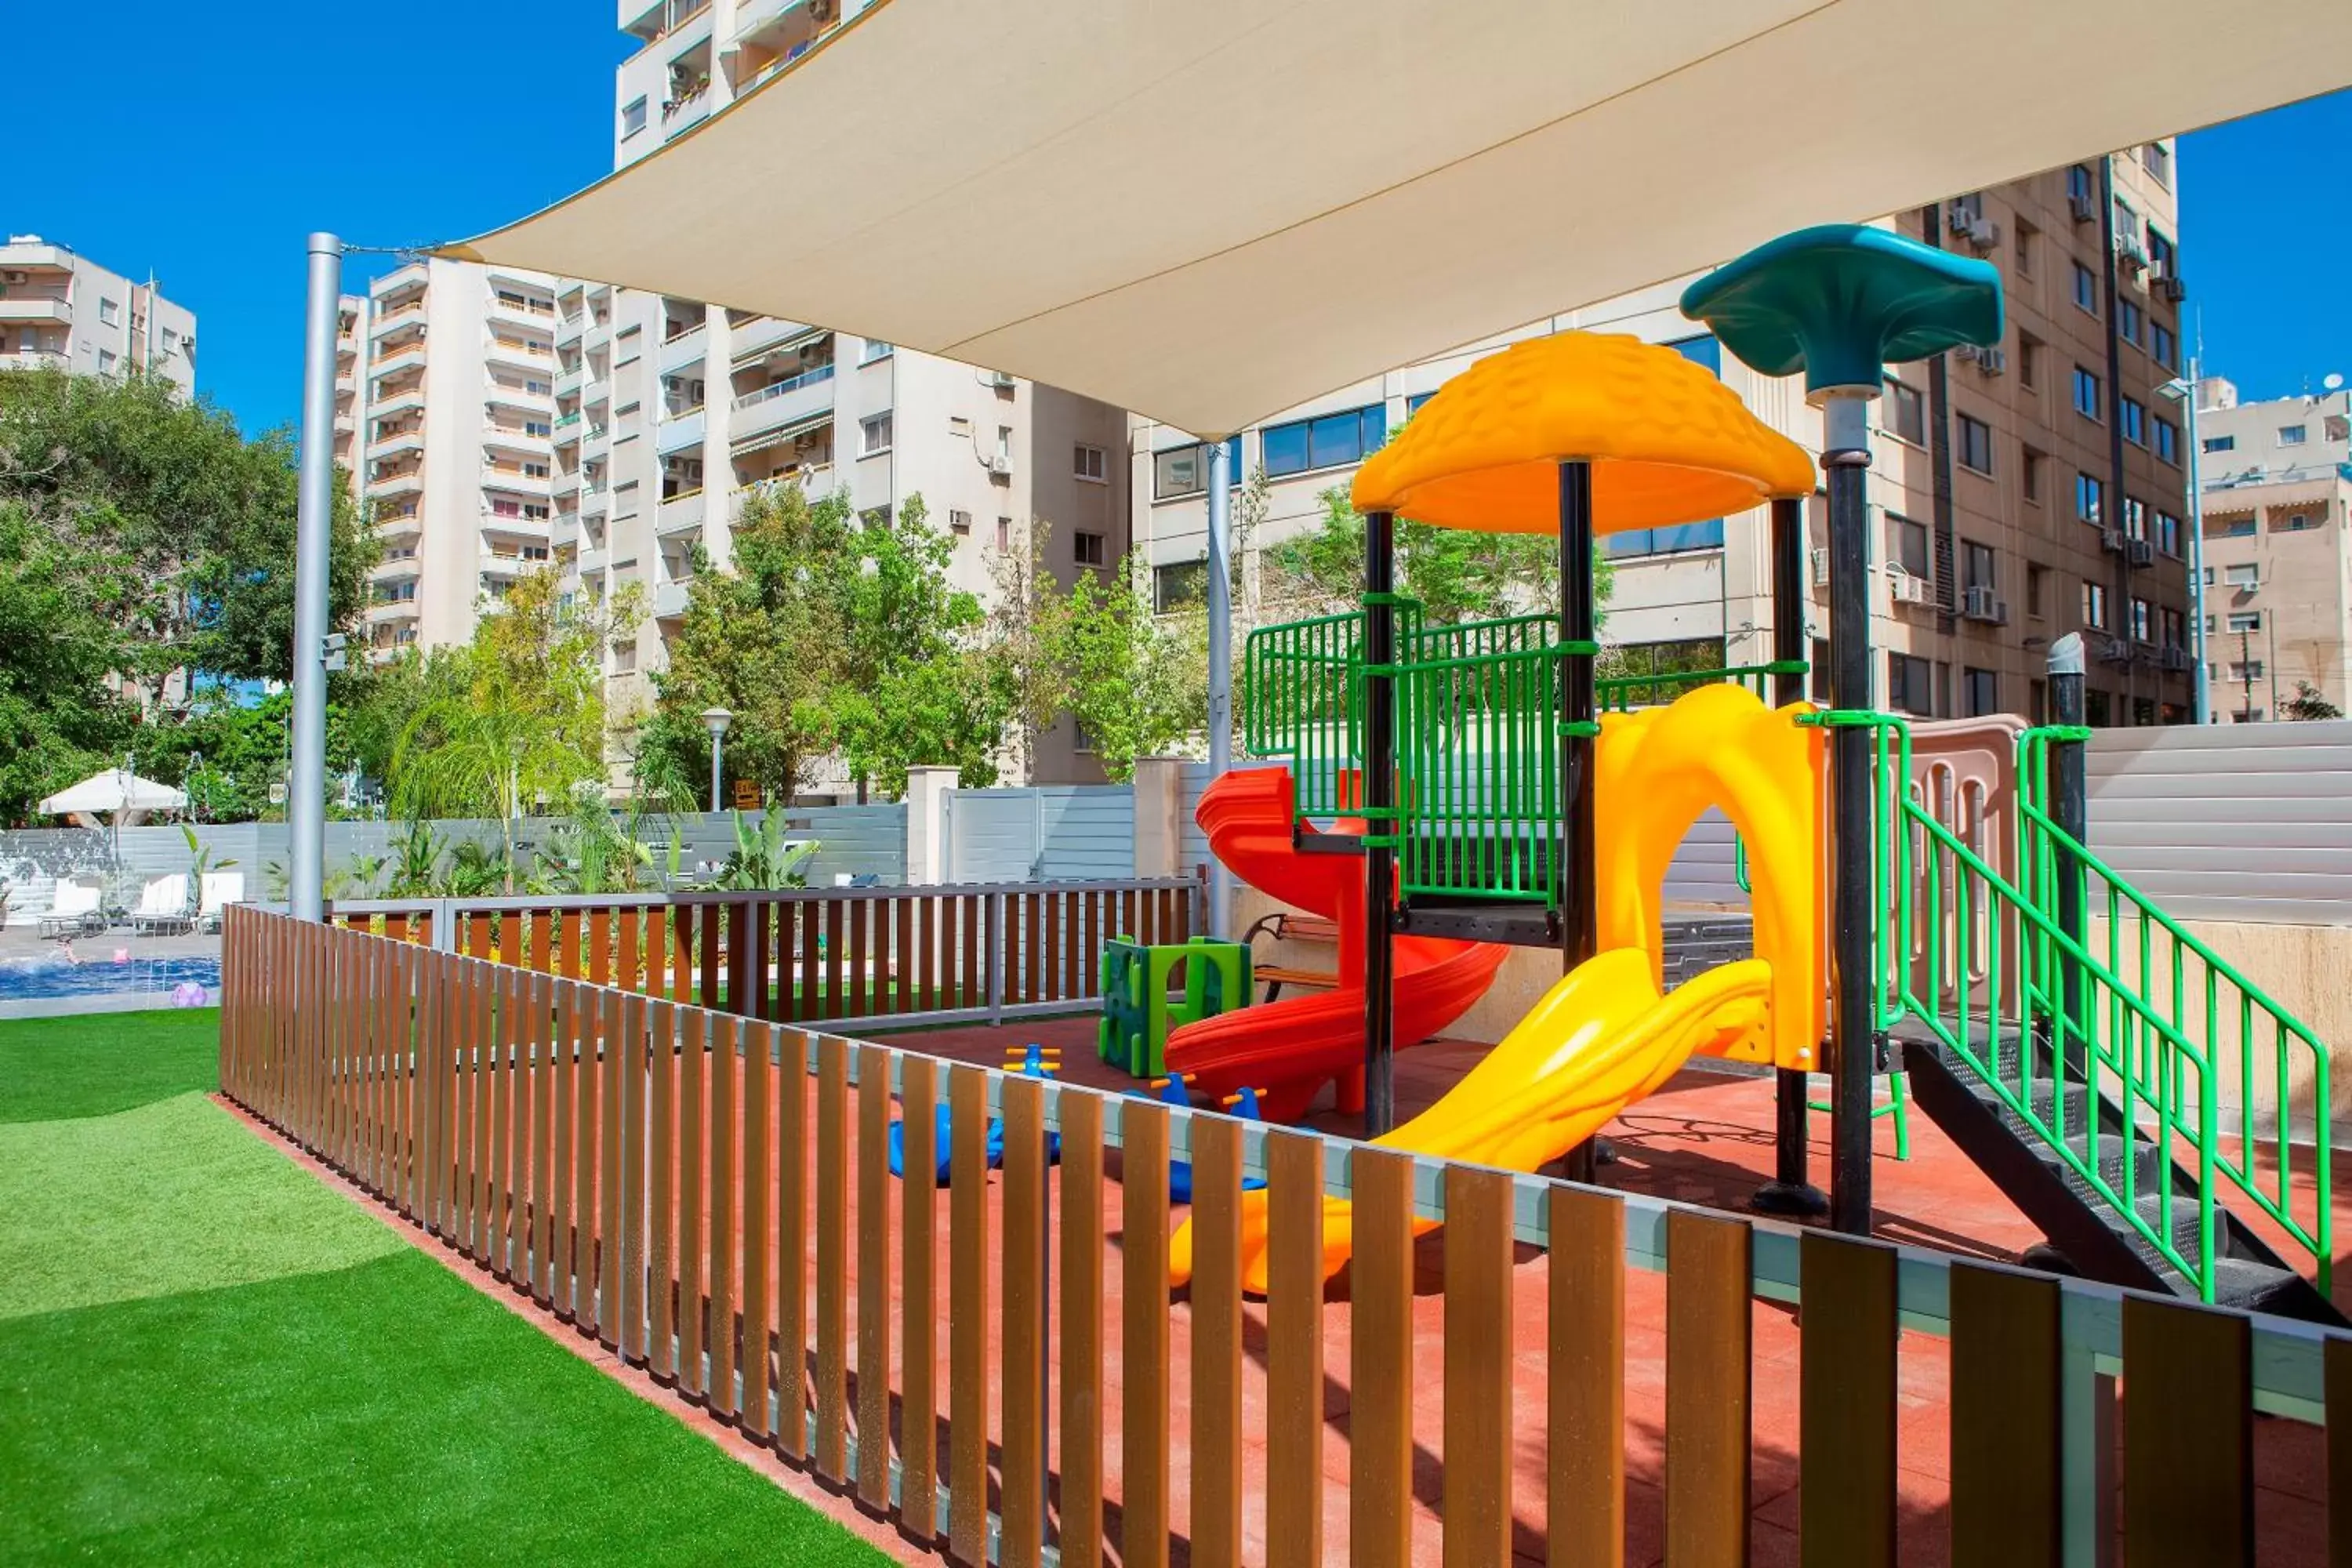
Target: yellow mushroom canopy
x=1668 y=442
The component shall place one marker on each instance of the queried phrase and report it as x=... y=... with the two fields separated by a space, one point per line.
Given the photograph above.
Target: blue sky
x=212 y=143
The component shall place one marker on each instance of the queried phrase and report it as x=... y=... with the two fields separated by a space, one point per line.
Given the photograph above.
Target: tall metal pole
x=1220 y=662
x=716 y=772
x=1579 y=902
x=1791 y=1191
x=1852 y=1049
x=1379 y=790
x=305 y=798
x=2202 y=681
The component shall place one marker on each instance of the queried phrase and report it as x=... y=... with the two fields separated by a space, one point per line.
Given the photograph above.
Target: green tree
x=1136 y=682
x=58 y=642
x=2309 y=703
x=1458 y=574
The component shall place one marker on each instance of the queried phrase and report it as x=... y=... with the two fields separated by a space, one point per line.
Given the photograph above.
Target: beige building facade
x=670 y=414
x=456 y=410
x=59 y=307
x=2278 y=592
x=2019 y=494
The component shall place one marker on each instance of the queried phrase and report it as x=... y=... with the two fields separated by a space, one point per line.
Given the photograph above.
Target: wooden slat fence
x=870 y=955
x=705 y=1194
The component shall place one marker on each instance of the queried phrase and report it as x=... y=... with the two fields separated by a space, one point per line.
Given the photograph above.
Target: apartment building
x=2017 y=494
x=2276 y=500
x=670 y=412
x=59 y=307
x=351 y=389
x=457 y=407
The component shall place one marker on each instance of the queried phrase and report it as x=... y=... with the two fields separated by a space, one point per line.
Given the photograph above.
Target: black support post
x=1852 y=1048
x=2070 y=810
x=1379 y=788
x=1579 y=902
x=1791 y=1191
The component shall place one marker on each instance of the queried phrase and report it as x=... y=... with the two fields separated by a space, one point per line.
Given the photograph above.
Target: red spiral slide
x=1289 y=1049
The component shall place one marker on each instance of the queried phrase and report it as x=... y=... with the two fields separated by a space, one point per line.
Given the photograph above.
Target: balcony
x=679 y=513
x=407 y=358
x=391 y=611
x=679 y=431
x=566 y=484
x=506 y=395
x=786 y=28
x=670 y=596
x=595 y=496
x=400 y=484
x=397 y=319
x=571 y=381
x=769 y=334
x=798 y=401
x=514 y=481
x=815 y=479
x=592 y=561
x=515 y=354
x=687 y=348
x=571 y=329
x=511 y=563
x=33 y=359
x=389 y=403
x=534 y=315
x=398 y=284
x=600 y=437
x=396 y=443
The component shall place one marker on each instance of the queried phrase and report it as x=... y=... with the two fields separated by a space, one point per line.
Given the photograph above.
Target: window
x=2336 y=427
x=2022 y=242
x=2156 y=159
x=633 y=118
x=1905 y=414
x=1413 y=404
x=2143 y=621
x=1090 y=463
x=1005 y=443
x=2135 y=518
x=1004 y=533
x=1329 y=441
x=2127 y=221
x=537 y=428
x=624 y=658
x=2037 y=582
x=2128 y=322
x=2230 y=528
x=2096 y=708
x=2095 y=606
x=2292 y=434
x=109 y=311
x=871 y=350
x=1909 y=684
x=2168 y=439
x=171 y=340
x=1185 y=470
x=2090 y=497
x=2293 y=522
x=2246 y=621
x=2174 y=626
x=959 y=521
x=2078 y=188
x=2162 y=347
x=2087 y=288
x=1975 y=445
x=1633 y=661
x=2167 y=533
x=2246 y=576
x=2243 y=669
x=2221 y=443
x=2087 y=395
x=1976 y=563
x=1701 y=350
x=106 y=361
x=1907 y=545
x=1665 y=541
x=1087 y=549
x=1980 y=691
x=2029 y=467
x=1180 y=585
x=2029 y=361
x=874 y=435
x=2162 y=260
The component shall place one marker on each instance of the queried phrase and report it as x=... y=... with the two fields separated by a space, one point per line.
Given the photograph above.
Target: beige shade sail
x=1211 y=210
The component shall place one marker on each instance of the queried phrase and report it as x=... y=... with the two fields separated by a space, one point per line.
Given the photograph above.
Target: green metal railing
x=2255 y=1045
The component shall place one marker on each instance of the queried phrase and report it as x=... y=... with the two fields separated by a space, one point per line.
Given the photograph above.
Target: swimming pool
x=53 y=975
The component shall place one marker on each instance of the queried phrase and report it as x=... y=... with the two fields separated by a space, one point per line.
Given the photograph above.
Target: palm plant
x=415 y=860
x=762 y=860
x=483 y=749
x=200 y=863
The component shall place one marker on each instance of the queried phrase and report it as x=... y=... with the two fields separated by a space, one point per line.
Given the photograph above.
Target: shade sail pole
x=306 y=791
x=1221 y=663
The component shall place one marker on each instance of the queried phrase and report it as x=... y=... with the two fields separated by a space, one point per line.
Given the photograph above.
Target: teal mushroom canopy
x=1843 y=300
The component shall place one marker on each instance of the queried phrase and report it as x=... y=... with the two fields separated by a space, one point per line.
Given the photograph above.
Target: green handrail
x=2141 y=938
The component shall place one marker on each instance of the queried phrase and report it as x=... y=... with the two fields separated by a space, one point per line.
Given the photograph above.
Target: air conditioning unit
x=1001 y=380
x=2114 y=651
x=1000 y=468
x=1965 y=351
x=2170 y=289
x=1992 y=362
x=13 y=276
x=1982 y=233
x=2082 y=207
x=823 y=11
x=1978 y=603
x=2140 y=551
x=1906 y=589
x=2112 y=541
x=2128 y=251
x=1820 y=563
x=2174 y=659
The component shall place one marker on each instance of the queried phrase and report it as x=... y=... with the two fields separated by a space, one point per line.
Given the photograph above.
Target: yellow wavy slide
x=1607 y=1035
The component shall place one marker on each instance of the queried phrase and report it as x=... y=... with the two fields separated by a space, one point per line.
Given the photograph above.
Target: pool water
x=49 y=976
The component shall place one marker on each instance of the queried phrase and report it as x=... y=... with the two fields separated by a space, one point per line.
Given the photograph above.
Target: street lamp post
x=2183 y=391
x=718 y=718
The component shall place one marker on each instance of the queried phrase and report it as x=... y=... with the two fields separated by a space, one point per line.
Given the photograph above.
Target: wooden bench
x=1286 y=927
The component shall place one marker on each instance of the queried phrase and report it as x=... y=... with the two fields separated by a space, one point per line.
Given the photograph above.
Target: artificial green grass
x=99 y=1063
x=206 y=1356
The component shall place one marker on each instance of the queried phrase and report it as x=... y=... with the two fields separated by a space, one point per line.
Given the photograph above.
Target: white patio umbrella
x=118 y=794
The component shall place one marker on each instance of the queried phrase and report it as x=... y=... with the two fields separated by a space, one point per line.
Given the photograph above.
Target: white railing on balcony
x=799 y=397
x=680 y=513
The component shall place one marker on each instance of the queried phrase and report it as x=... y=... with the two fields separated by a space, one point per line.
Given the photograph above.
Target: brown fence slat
x=874 y=1276
x=1049 y=946
x=918 y=1319
x=1584 y=1509
x=1023 y=1538
x=661 y=1239
x=835 y=938
x=857 y=1001
x=1707 y=1391
x=478 y=937
x=833 y=1256
x=1478 y=1489
x=610 y=1104
x=810 y=1002
x=1294 y=1332
x=588 y=1091
x=1216 y=1342
x=2188 y=1453
x=903 y=965
x=1079 y=1329
x=711 y=921
x=693 y=1235
x=759 y=1235
x=968 y=1370
x=1379 y=1373
x=1143 y=1333
x=626 y=972
x=927 y=952
x=792 y=1243
x=971 y=979
x=523 y=1066
x=2005 y=1420
x=630 y=1237
x=538 y=955
x=565 y=1113
x=503 y=1070
x=726 y=1240
x=1846 y=1447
